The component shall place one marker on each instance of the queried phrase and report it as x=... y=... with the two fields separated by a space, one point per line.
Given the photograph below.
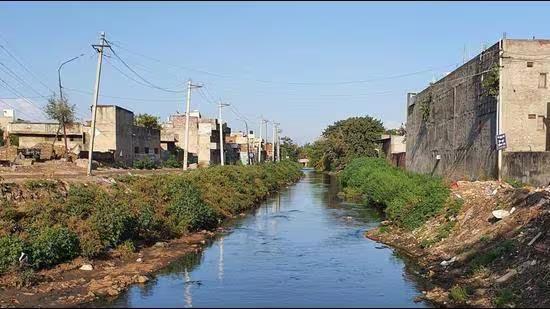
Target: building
x=117 y=139
x=33 y=133
x=393 y=149
x=204 y=138
x=117 y=134
x=452 y=125
x=241 y=146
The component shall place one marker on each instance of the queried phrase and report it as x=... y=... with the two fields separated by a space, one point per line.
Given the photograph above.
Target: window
x=71 y=139
x=529 y=64
x=532 y=116
x=156 y=151
x=146 y=150
x=136 y=149
x=542 y=80
x=59 y=138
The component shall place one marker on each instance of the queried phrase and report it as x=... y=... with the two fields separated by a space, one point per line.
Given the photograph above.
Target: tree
x=401 y=131
x=60 y=110
x=345 y=140
x=148 y=121
x=289 y=149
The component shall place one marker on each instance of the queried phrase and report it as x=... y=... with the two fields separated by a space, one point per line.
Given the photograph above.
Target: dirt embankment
x=471 y=258
x=67 y=285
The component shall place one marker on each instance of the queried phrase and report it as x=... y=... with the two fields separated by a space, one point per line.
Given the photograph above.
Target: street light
x=59 y=74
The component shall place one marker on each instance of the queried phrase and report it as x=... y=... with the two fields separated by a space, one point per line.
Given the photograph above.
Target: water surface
x=302 y=248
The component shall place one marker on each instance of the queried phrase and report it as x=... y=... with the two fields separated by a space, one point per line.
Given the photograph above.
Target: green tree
x=289 y=149
x=60 y=110
x=148 y=121
x=345 y=140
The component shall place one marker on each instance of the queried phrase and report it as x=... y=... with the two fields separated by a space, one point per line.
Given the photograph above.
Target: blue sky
x=304 y=65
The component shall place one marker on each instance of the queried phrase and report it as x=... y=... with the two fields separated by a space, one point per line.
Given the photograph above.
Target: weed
x=10 y=249
x=146 y=163
x=458 y=294
x=40 y=184
x=504 y=298
x=126 y=249
x=26 y=278
x=515 y=183
x=408 y=199
x=486 y=258
x=53 y=245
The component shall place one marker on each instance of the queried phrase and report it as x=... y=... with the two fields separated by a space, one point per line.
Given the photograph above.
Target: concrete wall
x=34 y=133
x=460 y=127
x=529 y=167
x=147 y=142
x=526 y=104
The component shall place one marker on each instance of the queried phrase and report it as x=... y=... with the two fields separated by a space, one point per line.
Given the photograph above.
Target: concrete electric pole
x=186 y=141
x=273 y=140
x=260 y=142
x=220 y=106
x=99 y=49
x=279 y=145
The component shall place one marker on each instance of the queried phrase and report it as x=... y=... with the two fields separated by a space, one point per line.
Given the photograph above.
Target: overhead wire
x=24 y=66
x=145 y=81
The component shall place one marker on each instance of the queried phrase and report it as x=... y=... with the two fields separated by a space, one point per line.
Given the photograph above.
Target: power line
x=24 y=66
x=286 y=82
x=19 y=79
x=149 y=84
x=12 y=90
x=123 y=98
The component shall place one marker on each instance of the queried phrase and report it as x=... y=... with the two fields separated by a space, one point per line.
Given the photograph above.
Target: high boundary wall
x=454 y=120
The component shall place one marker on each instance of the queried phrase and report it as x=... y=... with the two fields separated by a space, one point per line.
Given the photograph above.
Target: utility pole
x=186 y=142
x=220 y=106
x=279 y=145
x=273 y=141
x=260 y=142
x=99 y=49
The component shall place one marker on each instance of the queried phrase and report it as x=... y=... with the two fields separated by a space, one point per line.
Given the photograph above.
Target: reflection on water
x=303 y=247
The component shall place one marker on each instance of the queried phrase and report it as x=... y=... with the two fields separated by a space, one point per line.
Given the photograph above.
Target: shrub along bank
x=408 y=199
x=53 y=222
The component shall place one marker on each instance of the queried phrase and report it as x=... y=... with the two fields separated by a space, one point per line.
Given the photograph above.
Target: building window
x=542 y=80
x=146 y=150
x=156 y=151
x=136 y=149
x=59 y=138
x=71 y=139
x=529 y=64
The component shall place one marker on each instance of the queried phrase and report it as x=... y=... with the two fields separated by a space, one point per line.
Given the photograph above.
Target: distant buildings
x=117 y=139
x=204 y=138
x=393 y=149
x=498 y=99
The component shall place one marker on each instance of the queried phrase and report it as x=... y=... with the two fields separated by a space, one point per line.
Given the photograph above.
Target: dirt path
x=68 y=171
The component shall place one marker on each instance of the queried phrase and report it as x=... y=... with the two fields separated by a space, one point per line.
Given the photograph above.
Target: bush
x=172 y=162
x=458 y=294
x=407 y=199
x=52 y=228
x=10 y=250
x=52 y=245
x=186 y=210
x=146 y=163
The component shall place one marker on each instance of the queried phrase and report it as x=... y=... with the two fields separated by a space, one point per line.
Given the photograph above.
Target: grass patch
x=515 y=183
x=504 y=298
x=486 y=258
x=458 y=294
x=408 y=199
